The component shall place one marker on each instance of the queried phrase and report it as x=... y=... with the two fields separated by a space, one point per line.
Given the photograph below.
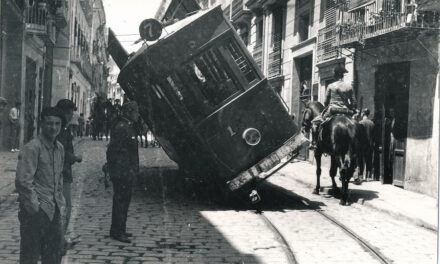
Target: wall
x=422 y=141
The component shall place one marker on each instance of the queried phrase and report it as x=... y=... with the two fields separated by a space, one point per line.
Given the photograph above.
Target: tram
x=208 y=103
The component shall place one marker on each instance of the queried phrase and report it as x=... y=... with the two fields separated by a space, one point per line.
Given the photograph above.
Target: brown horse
x=339 y=139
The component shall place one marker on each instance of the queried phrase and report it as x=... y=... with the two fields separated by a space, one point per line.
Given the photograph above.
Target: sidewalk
x=8 y=166
x=417 y=208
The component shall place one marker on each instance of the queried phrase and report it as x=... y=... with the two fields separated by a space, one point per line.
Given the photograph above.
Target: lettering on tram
x=208 y=103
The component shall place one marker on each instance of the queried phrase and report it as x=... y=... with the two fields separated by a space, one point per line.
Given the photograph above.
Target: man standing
x=81 y=122
x=14 y=121
x=367 y=147
x=3 y=104
x=65 y=138
x=39 y=185
x=123 y=162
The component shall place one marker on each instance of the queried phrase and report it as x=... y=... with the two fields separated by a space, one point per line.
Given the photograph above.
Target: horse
x=340 y=139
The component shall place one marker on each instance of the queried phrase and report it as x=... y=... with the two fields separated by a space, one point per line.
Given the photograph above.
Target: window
x=212 y=76
x=242 y=63
x=304 y=23
x=259 y=26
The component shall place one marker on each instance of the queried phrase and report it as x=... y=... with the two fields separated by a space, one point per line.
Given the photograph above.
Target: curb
x=361 y=202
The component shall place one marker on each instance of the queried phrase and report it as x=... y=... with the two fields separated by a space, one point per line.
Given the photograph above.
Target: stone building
x=48 y=48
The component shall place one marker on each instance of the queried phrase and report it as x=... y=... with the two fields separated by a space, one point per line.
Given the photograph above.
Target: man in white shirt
x=14 y=121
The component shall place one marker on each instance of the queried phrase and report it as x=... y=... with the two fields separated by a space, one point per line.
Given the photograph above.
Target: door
x=30 y=88
x=391 y=117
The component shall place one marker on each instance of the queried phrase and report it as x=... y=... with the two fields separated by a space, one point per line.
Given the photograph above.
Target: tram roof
x=170 y=30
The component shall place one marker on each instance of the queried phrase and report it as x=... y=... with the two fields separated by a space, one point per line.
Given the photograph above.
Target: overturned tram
x=208 y=103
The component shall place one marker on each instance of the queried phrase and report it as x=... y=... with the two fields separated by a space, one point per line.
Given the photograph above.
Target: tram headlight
x=252 y=136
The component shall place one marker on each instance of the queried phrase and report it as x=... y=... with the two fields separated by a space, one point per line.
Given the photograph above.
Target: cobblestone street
x=170 y=227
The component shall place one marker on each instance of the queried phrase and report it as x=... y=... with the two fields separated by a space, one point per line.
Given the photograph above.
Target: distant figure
x=3 y=104
x=367 y=147
x=81 y=123
x=74 y=123
x=39 y=183
x=123 y=166
x=14 y=122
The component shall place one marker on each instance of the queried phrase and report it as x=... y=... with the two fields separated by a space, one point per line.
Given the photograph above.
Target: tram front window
x=212 y=77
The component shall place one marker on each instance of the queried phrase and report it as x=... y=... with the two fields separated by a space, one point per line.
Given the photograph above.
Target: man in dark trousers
x=367 y=147
x=123 y=163
x=65 y=138
x=39 y=184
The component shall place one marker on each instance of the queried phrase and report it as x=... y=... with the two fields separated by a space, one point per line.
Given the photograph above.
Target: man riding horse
x=339 y=99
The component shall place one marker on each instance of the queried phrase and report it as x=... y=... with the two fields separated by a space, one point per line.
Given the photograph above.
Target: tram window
x=241 y=61
x=186 y=95
x=175 y=88
x=212 y=76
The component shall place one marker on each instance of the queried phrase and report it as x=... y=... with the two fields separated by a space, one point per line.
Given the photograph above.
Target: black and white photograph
x=219 y=131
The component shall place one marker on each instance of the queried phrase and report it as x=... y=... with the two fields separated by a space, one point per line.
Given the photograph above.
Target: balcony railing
x=258 y=54
x=358 y=28
x=275 y=59
x=36 y=19
x=83 y=62
x=327 y=48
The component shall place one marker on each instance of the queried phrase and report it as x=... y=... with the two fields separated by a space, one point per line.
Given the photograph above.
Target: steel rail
x=375 y=252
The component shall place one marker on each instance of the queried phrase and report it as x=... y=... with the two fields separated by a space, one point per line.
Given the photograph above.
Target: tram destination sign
x=150 y=29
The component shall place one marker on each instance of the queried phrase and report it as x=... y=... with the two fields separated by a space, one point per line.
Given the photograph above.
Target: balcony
x=365 y=23
x=82 y=61
x=327 y=48
x=240 y=14
x=258 y=54
x=275 y=60
x=36 y=19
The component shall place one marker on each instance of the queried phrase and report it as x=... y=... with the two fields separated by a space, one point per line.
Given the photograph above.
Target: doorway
x=391 y=118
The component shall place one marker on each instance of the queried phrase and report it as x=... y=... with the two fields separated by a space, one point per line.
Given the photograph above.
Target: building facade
x=48 y=47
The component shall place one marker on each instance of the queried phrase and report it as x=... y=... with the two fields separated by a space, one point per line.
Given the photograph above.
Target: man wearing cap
x=65 y=137
x=39 y=184
x=339 y=98
x=123 y=162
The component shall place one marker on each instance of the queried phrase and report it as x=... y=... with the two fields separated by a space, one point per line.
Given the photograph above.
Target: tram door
x=391 y=118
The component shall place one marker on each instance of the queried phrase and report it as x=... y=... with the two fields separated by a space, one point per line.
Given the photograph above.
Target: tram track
x=368 y=247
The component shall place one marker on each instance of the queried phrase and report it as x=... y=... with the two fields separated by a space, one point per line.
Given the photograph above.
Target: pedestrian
x=365 y=158
x=3 y=104
x=74 y=122
x=14 y=122
x=66 y=139
x=39 y=185
x=81 y=122
x=123 y=163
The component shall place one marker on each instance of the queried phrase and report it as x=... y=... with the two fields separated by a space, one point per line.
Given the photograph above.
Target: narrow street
x=171 y=226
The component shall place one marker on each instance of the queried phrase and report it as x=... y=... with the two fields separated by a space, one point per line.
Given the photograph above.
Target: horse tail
x=341 y=140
